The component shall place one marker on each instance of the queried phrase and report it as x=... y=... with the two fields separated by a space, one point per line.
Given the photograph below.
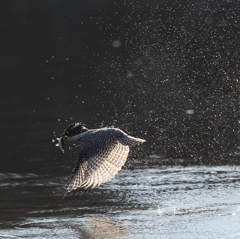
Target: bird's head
x=72 y=132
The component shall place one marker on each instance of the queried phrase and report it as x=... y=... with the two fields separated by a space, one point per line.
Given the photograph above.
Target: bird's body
x=103 y=153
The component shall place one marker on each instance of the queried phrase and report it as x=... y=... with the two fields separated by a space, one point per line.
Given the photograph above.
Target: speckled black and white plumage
x=103 y=153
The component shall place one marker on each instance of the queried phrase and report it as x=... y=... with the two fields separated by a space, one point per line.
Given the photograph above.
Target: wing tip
x=142 y=140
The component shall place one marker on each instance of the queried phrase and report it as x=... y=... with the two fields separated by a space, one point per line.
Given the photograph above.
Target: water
x=155 y=202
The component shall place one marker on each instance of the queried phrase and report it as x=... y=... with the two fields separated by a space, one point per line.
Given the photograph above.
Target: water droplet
x=116 y=44
x=209 y=20
x=129 y=74
x=190 y=112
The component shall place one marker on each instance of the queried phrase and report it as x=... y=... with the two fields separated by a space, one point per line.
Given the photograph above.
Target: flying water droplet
x=116 y=44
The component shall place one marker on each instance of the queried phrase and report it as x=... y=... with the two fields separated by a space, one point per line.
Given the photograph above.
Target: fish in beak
x=60 y=142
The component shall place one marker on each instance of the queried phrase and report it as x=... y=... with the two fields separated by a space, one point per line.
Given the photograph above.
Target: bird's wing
x=124 y=138
x=98 y=162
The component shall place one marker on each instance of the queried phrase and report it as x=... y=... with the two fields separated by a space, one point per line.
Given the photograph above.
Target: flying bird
x=102 y=155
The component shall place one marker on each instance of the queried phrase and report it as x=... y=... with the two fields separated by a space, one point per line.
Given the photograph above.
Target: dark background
x=165 y=71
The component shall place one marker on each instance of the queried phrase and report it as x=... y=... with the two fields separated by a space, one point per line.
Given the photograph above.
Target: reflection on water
x=89 y=227
x=157 y=202
x=102 y=227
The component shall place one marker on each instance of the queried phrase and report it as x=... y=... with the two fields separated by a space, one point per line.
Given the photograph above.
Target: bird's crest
x=75 y=128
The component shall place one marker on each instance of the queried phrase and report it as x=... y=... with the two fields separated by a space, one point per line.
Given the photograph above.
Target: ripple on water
x=174 y=202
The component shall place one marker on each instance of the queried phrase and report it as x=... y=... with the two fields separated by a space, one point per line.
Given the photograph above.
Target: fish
x=60 y=142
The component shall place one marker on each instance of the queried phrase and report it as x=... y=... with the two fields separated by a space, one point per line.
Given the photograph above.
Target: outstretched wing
x=99 y=160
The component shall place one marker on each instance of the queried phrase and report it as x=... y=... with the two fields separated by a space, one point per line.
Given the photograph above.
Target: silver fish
x=60 y=142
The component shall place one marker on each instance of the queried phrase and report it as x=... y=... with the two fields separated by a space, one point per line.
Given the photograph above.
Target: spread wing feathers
x=124 y=138
x=99 y=161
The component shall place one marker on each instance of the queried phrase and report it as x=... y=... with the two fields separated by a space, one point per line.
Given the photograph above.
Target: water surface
x=156 y=202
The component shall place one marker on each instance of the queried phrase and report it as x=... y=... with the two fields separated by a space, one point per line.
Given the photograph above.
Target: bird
x=103 y=153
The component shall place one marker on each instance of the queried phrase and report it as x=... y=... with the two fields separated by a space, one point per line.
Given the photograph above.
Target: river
x=147 y=202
